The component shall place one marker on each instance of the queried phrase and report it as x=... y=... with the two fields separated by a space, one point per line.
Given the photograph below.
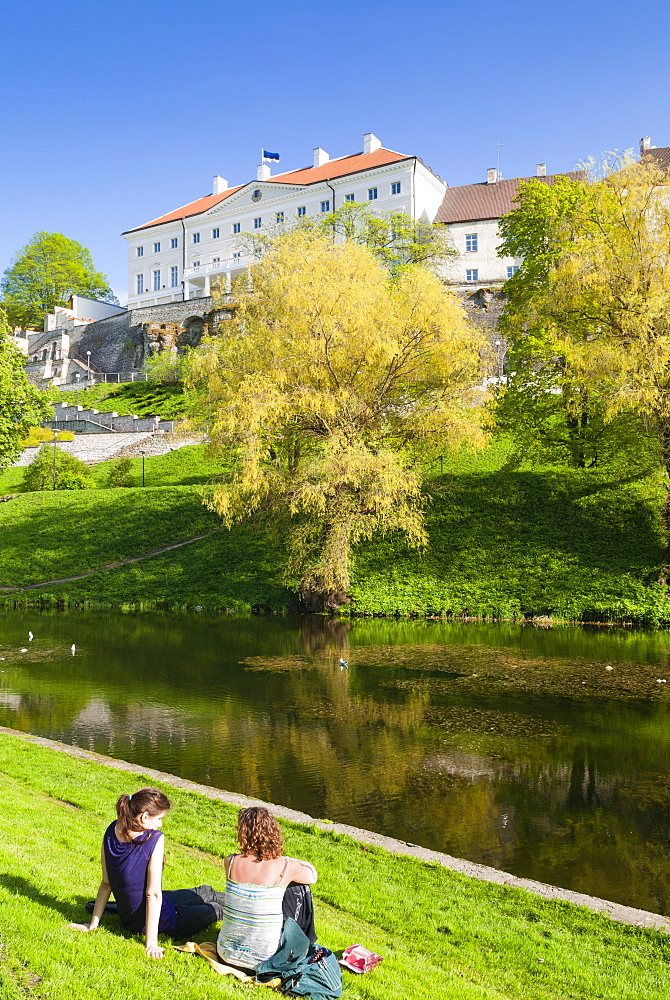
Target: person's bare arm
x=154 y=894
x=300 y=871
x=101 y=900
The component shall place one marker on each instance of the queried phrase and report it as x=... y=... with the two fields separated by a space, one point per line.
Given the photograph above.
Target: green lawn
x=441 y=934
x=504 y=542
x=145 y=399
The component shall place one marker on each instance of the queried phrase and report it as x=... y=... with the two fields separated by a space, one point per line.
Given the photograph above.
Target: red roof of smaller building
x=473 y=202
x=306 y=175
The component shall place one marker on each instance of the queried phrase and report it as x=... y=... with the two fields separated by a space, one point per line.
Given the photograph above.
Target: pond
x=544 y=752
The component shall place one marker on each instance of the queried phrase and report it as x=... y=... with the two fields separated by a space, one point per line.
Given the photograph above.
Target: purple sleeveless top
x=127 y=866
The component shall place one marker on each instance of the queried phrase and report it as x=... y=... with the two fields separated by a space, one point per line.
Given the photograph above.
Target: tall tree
x=327 y=387
x=21 y=404
x=45 y=273
x=577 y=238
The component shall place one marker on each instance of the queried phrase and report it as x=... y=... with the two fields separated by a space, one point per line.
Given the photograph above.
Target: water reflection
x=506 y=745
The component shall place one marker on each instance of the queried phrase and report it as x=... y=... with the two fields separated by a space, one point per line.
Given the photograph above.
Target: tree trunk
x=664 y=441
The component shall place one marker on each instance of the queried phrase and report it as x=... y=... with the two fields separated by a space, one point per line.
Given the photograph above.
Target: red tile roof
x=307 y=175
x=660 y=155
x=473 y=202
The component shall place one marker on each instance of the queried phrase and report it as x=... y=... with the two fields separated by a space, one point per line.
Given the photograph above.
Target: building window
x=174 y=277
x=196 y=263
x=302 y=210
x=325 y=206
x=173 y=243
x=396 y=187
x=257 y=223
x=237 y=227
x=237 y=255
x=472 y=274
x=139 y=252
x=470 y=242
x=196 y=237
x=215 y=260
x=140 y=284
x=157 y=248
x=372 y=194
x=157 y=281
x=279 y=216
x=511 y=271
x=348 y=197
x=215 y=233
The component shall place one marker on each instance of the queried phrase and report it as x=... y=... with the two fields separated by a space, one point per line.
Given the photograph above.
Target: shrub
x=38 y=435
x=71 y=473
x=119 y=473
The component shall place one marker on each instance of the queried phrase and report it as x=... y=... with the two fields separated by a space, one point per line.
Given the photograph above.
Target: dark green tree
x=22 y=405
x=71 y=473
x=45 y=273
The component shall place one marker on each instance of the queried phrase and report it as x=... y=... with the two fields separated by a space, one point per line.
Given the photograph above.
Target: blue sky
x=113 y=113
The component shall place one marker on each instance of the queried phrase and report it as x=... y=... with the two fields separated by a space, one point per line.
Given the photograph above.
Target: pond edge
x=616 y=911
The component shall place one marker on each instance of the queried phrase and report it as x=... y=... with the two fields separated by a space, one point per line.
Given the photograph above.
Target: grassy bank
x=504 y=542
x=441 y=934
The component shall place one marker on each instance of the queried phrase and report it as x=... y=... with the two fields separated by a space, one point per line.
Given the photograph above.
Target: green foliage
x=120 y=473
x=39 y=435
x=168 y=369
x=21 y=404
x=503 y=542
x=329 y=383
x=70 y=472
x=145 y=399
x=395 y=238
x=443 y=936
x=45 y=274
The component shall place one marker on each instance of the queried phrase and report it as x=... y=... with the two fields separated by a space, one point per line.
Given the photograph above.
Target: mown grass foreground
x=441 y=934
x=504 y=542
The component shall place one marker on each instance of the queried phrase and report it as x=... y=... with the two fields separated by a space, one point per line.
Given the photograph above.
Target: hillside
x=504 y=542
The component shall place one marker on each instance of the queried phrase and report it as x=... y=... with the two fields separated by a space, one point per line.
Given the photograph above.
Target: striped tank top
x=252 y=921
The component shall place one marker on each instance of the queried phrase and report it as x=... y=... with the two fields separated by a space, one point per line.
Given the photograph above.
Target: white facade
x=174 y=258
x=477 y=244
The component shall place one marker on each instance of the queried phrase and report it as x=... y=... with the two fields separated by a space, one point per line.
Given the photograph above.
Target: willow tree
x=326 y=389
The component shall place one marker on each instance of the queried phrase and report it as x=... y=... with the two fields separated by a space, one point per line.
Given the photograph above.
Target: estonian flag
x=270 y=156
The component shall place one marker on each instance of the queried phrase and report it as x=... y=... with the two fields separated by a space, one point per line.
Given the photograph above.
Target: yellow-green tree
x=326 y=388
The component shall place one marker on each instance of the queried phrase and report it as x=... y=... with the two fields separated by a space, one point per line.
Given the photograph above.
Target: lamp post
x=500 y=354
x=142 y=454
x=55 y=449
x=88 y=366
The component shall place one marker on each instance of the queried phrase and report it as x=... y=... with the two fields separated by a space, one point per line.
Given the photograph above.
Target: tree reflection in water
x=504 y=745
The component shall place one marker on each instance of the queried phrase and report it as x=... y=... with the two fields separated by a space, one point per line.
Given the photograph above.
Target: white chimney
x=219 y=185
x=491 y=175
x=263 y=172
x=541 y=170
x=371 y=142
x=320 y=157
x=645 y=144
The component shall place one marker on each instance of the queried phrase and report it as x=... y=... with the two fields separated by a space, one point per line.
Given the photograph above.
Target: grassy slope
x=441 y=934
x=503 y=542
x=145 y=399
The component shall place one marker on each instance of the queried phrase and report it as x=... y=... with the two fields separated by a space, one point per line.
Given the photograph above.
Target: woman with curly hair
x=262 y=888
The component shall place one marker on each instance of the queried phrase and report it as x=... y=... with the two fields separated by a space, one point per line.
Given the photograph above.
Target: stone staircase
x=91 y=421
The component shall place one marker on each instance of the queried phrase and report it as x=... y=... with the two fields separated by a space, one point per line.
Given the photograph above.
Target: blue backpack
x=306 y=970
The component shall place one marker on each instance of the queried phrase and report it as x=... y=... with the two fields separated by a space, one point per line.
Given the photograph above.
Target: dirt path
x=18 y=588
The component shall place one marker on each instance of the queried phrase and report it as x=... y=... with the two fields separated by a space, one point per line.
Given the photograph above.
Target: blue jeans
x=196 y=909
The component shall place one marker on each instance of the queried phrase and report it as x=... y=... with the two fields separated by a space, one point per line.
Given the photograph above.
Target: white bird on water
x=73 y=648
x=344 y=664
x=30 y=636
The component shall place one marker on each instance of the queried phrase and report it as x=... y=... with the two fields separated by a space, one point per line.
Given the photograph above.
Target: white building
x=472 y=216
x=172 y=258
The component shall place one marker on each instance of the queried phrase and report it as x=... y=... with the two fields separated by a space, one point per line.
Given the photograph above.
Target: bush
x=71 y=473
x=38 y=435
x=119 y=473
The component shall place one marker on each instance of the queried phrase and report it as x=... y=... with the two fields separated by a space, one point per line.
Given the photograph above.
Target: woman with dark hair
x=132 y=868
x=262 y=888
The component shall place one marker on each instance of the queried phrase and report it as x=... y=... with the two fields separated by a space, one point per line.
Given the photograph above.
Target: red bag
x=357 y=958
